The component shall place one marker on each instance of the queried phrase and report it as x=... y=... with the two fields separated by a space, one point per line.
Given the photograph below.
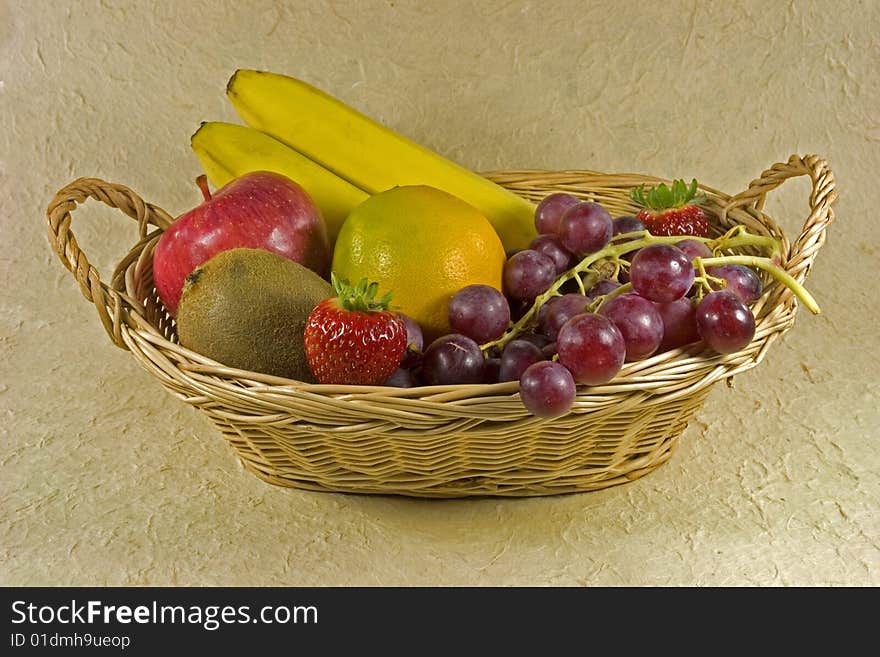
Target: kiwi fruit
x=247 y=308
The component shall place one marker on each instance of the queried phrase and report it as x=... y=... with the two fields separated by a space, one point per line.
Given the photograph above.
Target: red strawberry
x=672 y=211
x=352 y=338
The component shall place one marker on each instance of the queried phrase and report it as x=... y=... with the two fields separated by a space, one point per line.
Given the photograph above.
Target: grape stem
x=704 y=281
x=774 y=270
x=625 y=243
x=599 y=301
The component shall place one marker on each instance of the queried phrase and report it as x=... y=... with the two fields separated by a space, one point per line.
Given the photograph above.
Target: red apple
x=258 y=210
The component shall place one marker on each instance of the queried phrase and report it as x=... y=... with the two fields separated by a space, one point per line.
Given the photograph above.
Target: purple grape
x=741 y=280
x=550 y=211
x=480 y=312
x=547 y=389
x=548 y=350
x=725 y=323
x=679 y=324
x=415 y=342
x=519 y=307
x=550 y=246
x=626 y=224
x=528 y=274
x=602 y=288
x=661 y=273
x=592 y=348
x=561 y=310
x=628 y=256
x=570 y=285
x=639 y=323
x=414 y=337
x=453 y=359
x=403 y=378
x=516 y=357
x=694 y=248
x=543 y=311
x=585 y=228
x=536 y=339
x=490 y=370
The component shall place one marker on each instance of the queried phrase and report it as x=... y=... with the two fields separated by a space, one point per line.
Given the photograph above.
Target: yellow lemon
x=423 y=245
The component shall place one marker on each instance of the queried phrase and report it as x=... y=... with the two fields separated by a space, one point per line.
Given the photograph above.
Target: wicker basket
x=446 y=441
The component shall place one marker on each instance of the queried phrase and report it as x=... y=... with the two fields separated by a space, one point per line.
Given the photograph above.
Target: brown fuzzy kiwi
x=247 y=308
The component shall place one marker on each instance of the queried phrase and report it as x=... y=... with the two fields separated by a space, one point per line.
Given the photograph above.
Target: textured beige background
x=108 y=479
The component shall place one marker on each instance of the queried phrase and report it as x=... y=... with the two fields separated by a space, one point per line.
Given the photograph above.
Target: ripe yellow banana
x=366 y=153
x=226 y=151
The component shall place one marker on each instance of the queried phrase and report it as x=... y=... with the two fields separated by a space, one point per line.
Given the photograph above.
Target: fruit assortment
x=248 y=308
x=437 y=276
x=359 y=150
x=423 y=245
x=260 y=210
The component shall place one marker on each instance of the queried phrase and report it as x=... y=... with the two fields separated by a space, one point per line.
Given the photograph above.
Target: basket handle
x=114 y=305
x=822 y=196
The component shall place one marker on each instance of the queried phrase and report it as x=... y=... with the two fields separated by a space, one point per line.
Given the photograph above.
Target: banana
x=226 y=151
x=366 y=153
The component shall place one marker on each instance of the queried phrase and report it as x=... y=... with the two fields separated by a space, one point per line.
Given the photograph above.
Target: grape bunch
x=591 y=293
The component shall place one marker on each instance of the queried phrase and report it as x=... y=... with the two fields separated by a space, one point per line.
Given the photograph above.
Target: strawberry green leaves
x=360 y=297
x=662 y=197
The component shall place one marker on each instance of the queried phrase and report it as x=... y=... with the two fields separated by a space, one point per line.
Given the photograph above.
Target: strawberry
x=671 y=211
x=352 y=338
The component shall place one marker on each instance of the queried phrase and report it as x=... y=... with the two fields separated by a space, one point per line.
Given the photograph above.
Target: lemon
x=423 y=245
